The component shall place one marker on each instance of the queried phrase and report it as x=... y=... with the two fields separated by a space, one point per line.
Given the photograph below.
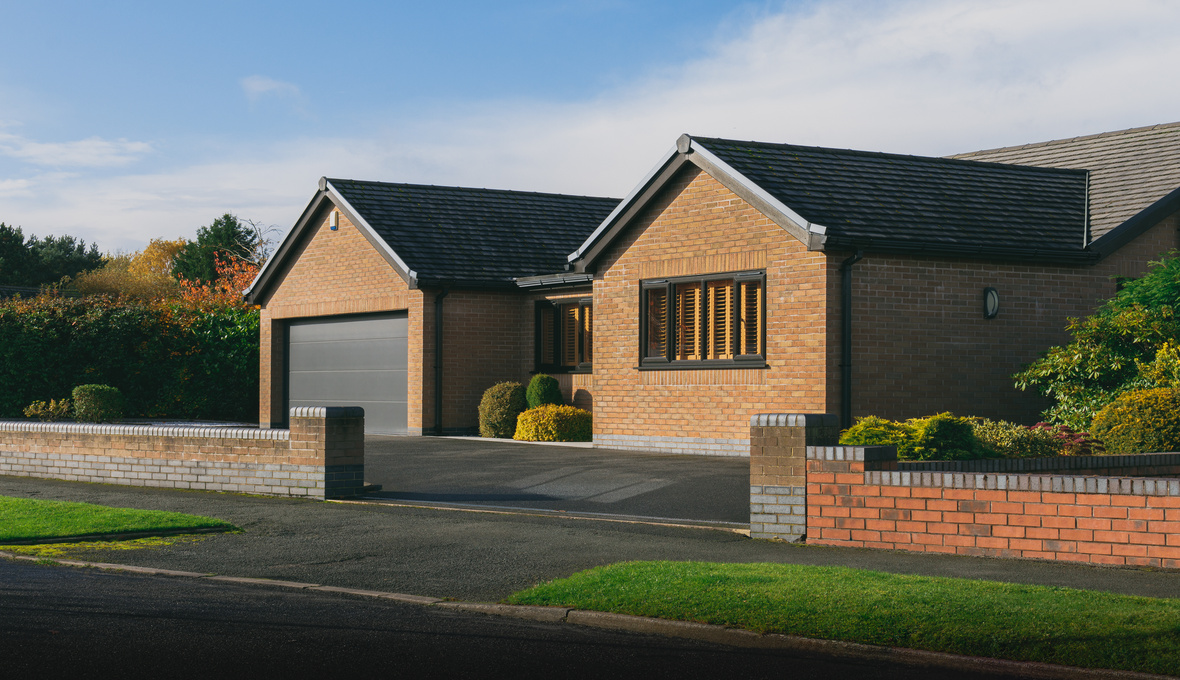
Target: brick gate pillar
x=778 y=470
x=332 y=437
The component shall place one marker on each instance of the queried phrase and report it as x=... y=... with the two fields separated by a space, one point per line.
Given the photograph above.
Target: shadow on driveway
x=497 y=473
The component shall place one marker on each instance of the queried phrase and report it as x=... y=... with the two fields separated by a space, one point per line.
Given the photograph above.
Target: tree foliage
x=1115 y=349
x=227 y=238
x=38 y=261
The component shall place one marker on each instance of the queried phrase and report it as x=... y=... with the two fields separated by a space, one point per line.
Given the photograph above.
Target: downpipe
x=846 y=339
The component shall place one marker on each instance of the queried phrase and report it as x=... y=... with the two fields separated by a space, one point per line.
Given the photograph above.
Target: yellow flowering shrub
x=553 y=423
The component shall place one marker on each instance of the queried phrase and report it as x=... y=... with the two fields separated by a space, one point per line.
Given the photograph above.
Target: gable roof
x=1129 y=169
x=836 y=199
x=436 y=236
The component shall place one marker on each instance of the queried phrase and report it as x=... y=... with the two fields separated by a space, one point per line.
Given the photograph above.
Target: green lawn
x=981 y=618
x=26 y=519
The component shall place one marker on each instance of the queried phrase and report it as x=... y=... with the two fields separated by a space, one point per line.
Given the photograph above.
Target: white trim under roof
x=375 y=238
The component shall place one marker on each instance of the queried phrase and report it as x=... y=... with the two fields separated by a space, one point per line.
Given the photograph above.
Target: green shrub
x=498 y=409
x=49 y=411
x=554 y=423
x=1002 y=439
x=874 y=431
x=543 y=389
x=944 y=436
x=97 y=403
x=1140 y=421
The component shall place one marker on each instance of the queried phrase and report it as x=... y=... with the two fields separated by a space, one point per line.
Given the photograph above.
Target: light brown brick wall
x=921 y=344
x=697 y=226
x=333 y=273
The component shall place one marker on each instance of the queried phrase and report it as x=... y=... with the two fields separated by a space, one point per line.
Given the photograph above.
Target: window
x=701 y=322
x=565 y=335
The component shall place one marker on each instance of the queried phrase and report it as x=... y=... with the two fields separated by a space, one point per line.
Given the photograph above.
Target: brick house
x=736 y=278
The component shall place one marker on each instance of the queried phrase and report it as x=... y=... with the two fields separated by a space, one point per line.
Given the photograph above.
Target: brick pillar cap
x=795 y=420
x=327 y=412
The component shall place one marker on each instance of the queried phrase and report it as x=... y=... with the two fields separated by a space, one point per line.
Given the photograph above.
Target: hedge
x=167 y=359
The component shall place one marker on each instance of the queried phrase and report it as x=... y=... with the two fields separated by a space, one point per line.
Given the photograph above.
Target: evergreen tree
x=227 y=237
x=37 y=261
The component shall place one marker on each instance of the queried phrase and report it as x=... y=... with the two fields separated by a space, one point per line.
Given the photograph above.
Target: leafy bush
x=1141 y=421
x=554 y=423
x=1110 y=348
x=168 y=359
x=1073 y=443
x=543 y=389
x=97 y=403
x=1002 y=439
x=498 y=409
x=48 y=411
x=874 y=431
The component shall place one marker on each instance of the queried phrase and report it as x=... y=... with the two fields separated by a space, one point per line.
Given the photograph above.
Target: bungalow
x=736 y=278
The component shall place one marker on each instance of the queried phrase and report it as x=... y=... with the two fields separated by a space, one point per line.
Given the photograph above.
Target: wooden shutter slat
x=657 y=315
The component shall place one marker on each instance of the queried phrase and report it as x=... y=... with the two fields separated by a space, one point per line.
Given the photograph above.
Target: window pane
x=548 y=331
x=688 y=320
x=657 y=318
x=569 y=335
x=587 y=334
x=719 y=316
x=751 y=313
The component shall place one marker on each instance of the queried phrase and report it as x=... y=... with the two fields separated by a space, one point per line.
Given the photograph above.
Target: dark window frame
x=668 y=285
x=582 y=365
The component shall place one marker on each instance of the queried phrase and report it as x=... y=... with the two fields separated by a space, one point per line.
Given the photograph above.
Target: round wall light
x=991 y=303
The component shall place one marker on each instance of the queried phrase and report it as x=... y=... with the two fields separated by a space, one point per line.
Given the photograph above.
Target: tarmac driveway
x=505 y=474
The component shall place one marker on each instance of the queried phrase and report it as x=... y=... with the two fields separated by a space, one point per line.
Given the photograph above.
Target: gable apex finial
x=684 y=144
x=323 y=183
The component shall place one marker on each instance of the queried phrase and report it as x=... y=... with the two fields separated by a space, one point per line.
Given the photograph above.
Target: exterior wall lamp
x=334 y=220
x=991 y=303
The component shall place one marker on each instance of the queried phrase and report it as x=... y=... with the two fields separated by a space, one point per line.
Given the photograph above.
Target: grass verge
x=961 y=616
x=30 y=519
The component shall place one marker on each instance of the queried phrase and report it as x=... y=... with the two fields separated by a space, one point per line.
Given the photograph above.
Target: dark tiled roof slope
x=1129 y=169
x=889 y=202
x=475 y=236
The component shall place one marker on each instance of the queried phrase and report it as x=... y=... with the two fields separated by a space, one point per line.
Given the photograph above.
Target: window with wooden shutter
x=564 y=337
x=703 y=321
x=688 y=321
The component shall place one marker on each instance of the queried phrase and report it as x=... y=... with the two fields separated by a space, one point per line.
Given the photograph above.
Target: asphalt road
x=565 y=478
x=63 y=622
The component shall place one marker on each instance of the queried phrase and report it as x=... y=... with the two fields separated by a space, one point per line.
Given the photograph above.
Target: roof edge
x=1145 y=219
x=410 y=276
x=259 y=285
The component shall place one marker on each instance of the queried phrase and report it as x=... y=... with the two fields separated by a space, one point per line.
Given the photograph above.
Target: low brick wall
x=321 y=456
x=778 y=472
x=857 y=497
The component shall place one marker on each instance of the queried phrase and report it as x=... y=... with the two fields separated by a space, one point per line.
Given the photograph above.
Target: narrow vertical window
x=657 y=323
x=547 y=335
x=688 y=321
x=720 y=319
x=587 y=334
x=751 y=317
x=569 y=335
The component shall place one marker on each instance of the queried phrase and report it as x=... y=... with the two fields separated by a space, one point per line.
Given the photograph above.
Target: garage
x=351 y=361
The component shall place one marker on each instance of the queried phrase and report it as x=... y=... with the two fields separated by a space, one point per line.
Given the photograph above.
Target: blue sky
x=120 y=122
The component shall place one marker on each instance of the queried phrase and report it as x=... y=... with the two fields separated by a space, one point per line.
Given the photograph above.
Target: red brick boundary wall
x=858 y=497
x=321 y=456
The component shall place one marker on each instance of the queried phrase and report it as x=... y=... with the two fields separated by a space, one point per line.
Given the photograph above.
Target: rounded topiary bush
x=945 y=436
x=554 y=423
x=97 y=403
x=543 y=389
x=498 y=409
x=1140 y=421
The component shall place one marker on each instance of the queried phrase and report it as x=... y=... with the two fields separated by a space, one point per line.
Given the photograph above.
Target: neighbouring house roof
x=1130 y=170
x=435 y=236
x=836 y=199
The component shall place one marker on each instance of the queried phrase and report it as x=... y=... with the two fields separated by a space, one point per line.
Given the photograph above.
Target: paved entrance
x=439 y=470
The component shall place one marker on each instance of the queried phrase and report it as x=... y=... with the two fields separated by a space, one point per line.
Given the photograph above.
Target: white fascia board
x=623 y=205
x=761 y=194
x=375 y=238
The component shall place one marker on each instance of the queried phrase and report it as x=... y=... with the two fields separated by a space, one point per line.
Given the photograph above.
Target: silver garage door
x=351 y=361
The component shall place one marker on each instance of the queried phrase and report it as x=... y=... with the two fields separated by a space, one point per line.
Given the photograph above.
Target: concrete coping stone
x=795 y=420
x=327 y=412
x=1077 y=484
x=198 y=431
x=852 y=453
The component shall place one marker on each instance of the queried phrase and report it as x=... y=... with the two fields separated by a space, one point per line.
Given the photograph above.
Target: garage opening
x=351 y=361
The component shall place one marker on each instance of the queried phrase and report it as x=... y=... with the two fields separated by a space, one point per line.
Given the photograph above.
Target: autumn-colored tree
x=234 y=276
x=158 y=258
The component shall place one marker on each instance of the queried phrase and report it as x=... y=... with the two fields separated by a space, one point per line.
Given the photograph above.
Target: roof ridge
x=517 y=192
x=1066 y=140
x=885 y=154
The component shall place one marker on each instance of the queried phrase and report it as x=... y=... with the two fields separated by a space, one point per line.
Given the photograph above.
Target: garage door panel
x=352 y=362
x=341 y=355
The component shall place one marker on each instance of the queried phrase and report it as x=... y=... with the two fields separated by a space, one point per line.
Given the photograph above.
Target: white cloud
x=93 y=152
x=257 y=87
x=924 y=77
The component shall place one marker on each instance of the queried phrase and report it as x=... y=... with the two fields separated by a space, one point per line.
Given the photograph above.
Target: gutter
x=846 y=339
x=438 y=365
